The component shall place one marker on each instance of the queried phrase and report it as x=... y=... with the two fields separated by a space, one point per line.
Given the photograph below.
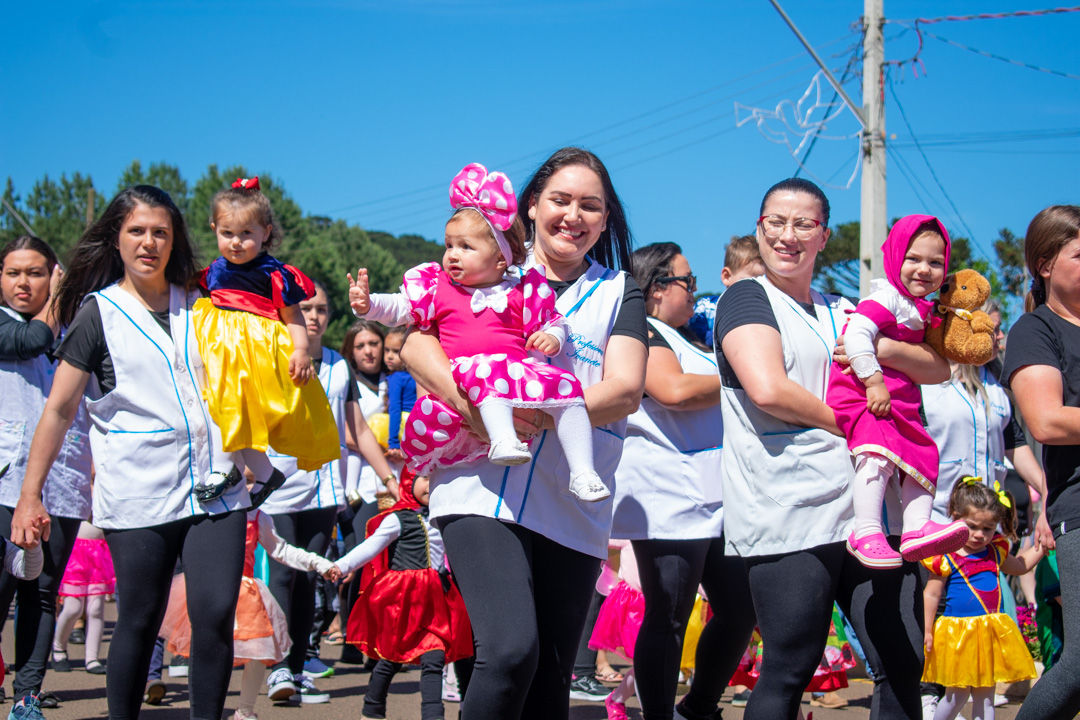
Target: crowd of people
x=540 y=448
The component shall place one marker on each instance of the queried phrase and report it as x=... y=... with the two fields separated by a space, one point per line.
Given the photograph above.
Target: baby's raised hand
x=359 y=293
x=300 y=369
x=333 y=574
x=543 y=342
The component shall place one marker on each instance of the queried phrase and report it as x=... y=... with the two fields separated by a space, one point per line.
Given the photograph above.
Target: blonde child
x=88 y=578
x=254 y=344
x=974 y=645
x=261 y=632
x=489 y=315
x=877 y=408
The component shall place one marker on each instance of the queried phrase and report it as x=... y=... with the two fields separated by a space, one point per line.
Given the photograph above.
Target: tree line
x=324 y=248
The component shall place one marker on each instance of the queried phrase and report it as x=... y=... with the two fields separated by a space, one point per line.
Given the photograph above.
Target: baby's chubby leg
x=922 y=537
x=505 y=448
x=574 y=429
x=867 y=541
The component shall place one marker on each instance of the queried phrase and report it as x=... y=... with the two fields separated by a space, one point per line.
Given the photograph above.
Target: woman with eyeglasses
x=668 y=501
x=787 y=472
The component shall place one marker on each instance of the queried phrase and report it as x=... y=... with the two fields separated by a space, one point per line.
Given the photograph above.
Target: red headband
x=247 y=183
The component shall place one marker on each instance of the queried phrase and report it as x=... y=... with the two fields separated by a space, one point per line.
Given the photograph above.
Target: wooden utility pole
x=90 y=207
x=873 y=221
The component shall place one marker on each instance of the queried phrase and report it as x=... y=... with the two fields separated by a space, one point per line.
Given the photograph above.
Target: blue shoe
x=26 y=709
x=316 y=668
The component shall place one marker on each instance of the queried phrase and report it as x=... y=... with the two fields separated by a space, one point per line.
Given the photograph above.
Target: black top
x=631 y=320
x=410 y=550
x=744 y=303
x=23 y=340
x=1043 y=338
x=84 y=343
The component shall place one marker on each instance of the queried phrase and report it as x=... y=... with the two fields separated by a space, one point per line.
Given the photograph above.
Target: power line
x=994 y=16
x=995 y=56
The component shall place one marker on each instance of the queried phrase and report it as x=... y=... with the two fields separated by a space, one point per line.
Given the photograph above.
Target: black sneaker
x=258 y=496
x=77 y=637
x=60 y=662
x=682 y=713
x=155 y=692
x=740 y=699
x=588 y=688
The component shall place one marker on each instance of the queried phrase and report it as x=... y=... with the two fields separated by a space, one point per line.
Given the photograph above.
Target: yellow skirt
x=693 y=633
x=250 y=394
x=977 y=652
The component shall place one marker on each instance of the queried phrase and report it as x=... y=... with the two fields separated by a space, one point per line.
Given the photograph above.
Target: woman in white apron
x=787 y=472
x=525 y=552
x=28 y=329
x=306 y=506
x=669 y=500
x=131 y=346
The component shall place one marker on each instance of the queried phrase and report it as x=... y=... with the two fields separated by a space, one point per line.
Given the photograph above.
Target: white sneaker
x=588 y=487
x=308 y=693
x=279 y=686
x=929 y=707
x=509 y=452
x=1000 y=700
x=449 y=684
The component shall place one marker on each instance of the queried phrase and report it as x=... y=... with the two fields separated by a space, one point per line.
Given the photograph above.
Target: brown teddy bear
x=957 y=329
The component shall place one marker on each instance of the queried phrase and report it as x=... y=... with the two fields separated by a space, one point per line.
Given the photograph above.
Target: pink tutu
x=619 y=621
x=89 y=570
x=260 y=631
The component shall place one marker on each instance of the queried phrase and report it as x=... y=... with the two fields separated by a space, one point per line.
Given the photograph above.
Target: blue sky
x=365 y=110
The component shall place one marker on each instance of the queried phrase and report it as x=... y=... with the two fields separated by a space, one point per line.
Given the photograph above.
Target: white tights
x=572 y=427
x=872 y=475
x=982 y=703
x=94 y=606
x=250 y=682
x=625 y=689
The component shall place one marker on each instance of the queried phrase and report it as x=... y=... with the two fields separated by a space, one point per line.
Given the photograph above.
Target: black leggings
x=793 y=596
x=1057 y=694
x=527 y=598
x=35 y=616
x=670 y=572
x=431 y=706
x=295 y=590
x=211 y=549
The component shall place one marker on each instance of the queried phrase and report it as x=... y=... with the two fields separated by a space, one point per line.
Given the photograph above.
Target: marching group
x=575 y=450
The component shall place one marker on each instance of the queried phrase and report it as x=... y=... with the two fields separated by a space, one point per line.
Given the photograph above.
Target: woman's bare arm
x=667 y=384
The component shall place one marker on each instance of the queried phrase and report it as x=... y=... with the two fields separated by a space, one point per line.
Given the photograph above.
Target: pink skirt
x=89 y=570
x=619 y=621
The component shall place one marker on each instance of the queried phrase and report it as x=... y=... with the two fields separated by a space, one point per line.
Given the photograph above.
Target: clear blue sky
x=365 y=110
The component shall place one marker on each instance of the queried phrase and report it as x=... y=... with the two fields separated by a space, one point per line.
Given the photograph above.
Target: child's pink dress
x=483 y=331
x=622 y=612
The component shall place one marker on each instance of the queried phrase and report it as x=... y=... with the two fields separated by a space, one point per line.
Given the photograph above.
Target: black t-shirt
x=631 y=320
x=23 y=340
x=744 y=303
x=1043 y=338
x=84 y=343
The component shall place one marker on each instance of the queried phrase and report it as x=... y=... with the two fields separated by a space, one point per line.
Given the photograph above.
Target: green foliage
x=323 y=248
x=836 y=268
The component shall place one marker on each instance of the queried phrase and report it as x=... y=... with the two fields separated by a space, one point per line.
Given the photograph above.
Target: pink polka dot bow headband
x=491 y=195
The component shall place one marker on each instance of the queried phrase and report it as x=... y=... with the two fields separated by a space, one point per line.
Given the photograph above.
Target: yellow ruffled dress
x=975 y=644
x=246 y=348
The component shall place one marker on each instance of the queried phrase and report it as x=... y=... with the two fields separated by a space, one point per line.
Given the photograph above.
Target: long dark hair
x=649 y=263
x=967 y=496
x=350 y=338
x=612 y=250
x=95 y=259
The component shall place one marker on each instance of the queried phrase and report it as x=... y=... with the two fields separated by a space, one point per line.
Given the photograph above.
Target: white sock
x=982 y=703
x=250 y=682
x=951 y=704
x=95 y=626
x=498 y=421
x=624 y=690
x=575 y=435
x=918 y=502
x=872 y=473
x=257 y=462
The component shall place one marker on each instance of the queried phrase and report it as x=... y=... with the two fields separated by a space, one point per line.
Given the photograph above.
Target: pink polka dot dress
x=483 y=332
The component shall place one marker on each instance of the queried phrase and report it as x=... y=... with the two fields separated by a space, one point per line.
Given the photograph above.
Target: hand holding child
x=333 y=574
x=359 y=292
x=543 y=342
x=300 y=369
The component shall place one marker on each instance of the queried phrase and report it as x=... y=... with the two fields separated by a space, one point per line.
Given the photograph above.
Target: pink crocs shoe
x=933 y=539
x=873 y=551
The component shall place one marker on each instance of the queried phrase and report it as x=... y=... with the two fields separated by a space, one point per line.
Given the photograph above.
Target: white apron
x=24 y=387
x=152 y=437
x=788 y=487
x=669 y=476
x=970 y=440
x=536 y=495
x=324 y=487
x=361 y=476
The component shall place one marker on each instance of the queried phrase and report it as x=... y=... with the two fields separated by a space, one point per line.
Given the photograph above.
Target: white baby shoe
x=509 y=452
x=588 y=487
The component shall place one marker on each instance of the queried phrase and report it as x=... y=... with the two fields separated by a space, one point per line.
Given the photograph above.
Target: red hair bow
x=247 y=183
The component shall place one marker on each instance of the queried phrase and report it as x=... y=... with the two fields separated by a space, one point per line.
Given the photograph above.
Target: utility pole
x=872 y=220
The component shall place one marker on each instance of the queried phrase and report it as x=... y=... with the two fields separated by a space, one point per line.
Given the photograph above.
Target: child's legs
x=982 y=703
x=951 y=703
x=918 y=502
x=250 y=682
x=431 y=665
x=498 y=421
x=378 y=687
x=624 y=690
x=872 y=473
x=73 y=610
x=575 y=435
x=95 y=626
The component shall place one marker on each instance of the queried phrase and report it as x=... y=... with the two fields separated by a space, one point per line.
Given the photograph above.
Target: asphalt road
x=83 y=695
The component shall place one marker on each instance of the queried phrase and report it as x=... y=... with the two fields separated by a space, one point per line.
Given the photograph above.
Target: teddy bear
x=957 y=329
